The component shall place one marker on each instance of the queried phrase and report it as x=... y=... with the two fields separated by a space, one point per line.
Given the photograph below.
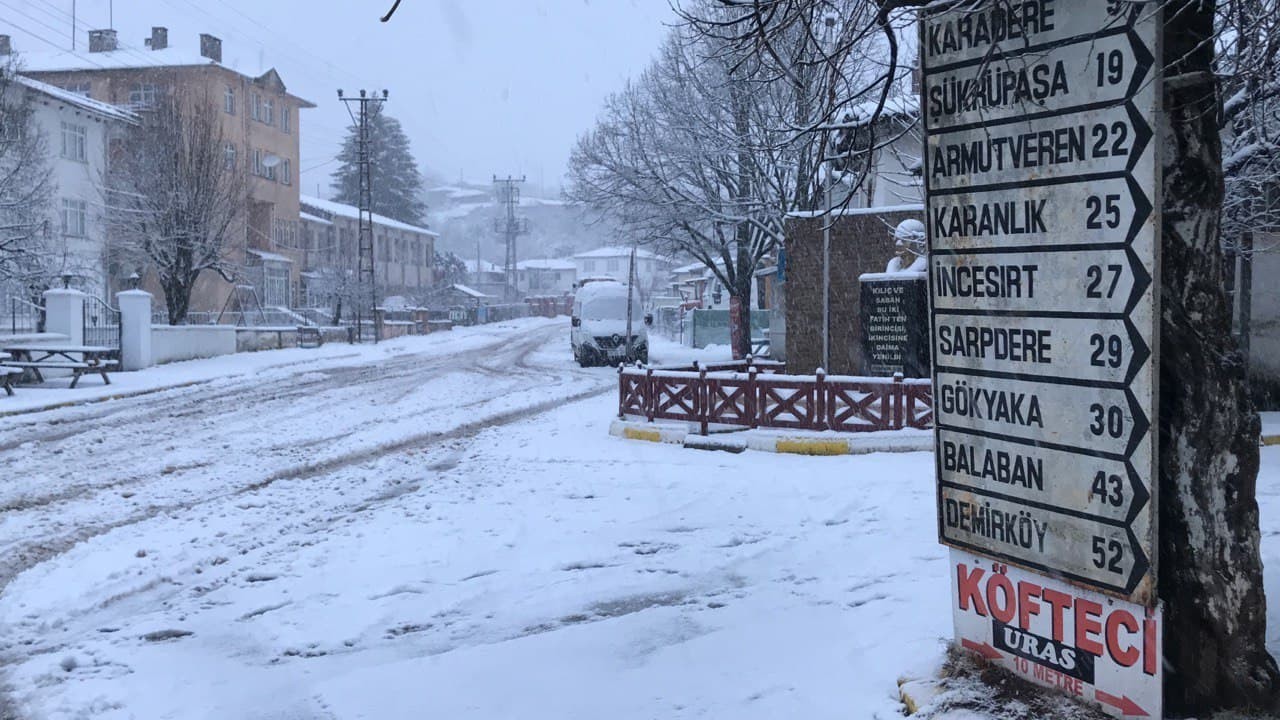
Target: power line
x=36 y=35
x=77 y=24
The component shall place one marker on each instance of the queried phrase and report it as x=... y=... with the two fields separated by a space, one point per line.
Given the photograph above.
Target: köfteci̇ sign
x=1042 y=187
x=1086 y=644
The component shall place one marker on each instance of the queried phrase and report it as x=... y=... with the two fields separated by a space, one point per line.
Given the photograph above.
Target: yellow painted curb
x=813 y=447
x=1271 y=439
x=638 y=434
x=917 y=694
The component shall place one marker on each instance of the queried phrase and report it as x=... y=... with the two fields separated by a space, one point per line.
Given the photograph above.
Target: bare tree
x=176 y=196
x=1210 y=573
x=703 y=156
x=26 y=188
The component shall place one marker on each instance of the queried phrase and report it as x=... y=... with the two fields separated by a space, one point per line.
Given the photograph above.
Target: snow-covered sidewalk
x=228 y=369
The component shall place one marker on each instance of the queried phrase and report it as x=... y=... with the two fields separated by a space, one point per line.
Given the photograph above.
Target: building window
x=229 y=101
x=142 y=95
x=79 y=88
x=75 y=139
x=73 y=217
x=229 y=156
x=255 y=105
x=612 y=265
x=268 y=106
x=588 y=266
x=286 y=124
x=256 y=158
x=286 y=172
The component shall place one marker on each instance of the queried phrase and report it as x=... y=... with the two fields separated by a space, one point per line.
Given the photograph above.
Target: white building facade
x=78 y=133
x=546 y=277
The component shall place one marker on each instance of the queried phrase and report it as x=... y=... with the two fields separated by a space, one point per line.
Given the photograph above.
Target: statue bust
x=910 y=253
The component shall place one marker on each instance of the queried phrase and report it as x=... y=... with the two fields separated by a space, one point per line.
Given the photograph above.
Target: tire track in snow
x=402 y=374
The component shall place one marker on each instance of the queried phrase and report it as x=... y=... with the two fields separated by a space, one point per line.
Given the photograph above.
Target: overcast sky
x=481 y=86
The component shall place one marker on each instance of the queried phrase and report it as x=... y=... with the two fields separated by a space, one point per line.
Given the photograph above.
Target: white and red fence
x=759 y=396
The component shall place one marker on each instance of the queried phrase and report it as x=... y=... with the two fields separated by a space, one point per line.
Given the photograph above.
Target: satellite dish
x=271 y=161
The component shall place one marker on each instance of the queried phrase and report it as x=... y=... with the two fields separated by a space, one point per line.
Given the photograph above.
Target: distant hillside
x=463 y=213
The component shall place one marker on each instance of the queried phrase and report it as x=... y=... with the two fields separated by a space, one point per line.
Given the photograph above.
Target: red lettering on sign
x=1088 y=626
x=1053 y=678
x=969 y=585
x=1149 y=658
x=1028 y=603
x=1116 y=620
x=1058 y=603
x=1002 y=586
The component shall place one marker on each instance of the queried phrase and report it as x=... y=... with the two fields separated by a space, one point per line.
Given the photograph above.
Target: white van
x=599 y=334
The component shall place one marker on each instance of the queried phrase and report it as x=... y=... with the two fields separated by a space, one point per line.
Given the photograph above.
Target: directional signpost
x=1043 y=191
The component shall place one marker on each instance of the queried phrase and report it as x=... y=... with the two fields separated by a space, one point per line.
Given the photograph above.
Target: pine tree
x=397 y=184
x=450 y=269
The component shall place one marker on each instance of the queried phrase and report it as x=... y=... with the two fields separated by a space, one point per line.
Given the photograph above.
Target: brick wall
x=860 y=243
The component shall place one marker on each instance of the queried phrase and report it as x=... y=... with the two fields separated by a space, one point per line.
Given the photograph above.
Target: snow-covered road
x=445 y=530
x=442 y=528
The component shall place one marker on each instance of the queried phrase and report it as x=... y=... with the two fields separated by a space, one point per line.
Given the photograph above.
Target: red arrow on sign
x=982 y=649
x=1123 y=704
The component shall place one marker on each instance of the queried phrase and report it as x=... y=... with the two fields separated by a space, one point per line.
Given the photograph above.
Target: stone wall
x=861 y=242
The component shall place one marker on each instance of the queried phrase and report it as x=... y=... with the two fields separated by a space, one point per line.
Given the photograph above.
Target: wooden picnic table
x=79 y=359
x=7 y=374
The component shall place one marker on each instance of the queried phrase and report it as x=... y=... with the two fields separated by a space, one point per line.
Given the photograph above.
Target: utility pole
x=365 y=266
x=631 y=283
x=509 y=226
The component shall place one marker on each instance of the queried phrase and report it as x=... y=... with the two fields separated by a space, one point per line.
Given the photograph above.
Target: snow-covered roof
x=124 y=57
x=269 y=255
x=470 y=291
x=485 y=266
x=848 y=212
x=691 y=267
x=308 y=217
x=353 y=212
x=609 y=252
x=548 y=264
x=460 y=191
x=129 y=57
x=894 y=106
x=66 y=96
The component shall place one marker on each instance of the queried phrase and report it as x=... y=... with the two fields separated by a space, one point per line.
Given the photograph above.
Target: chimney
x=102 y=41
x=210 y=47
x=6 y=45
x=159 y=39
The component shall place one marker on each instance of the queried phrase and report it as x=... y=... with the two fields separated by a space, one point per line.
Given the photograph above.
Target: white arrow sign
x=1106 y=488
x=1043 y=539
x=1102 y=419
x=1095 y=71
x=1046 y=215
x=1089 y=142
x=1082 y=281
x=1099 y=350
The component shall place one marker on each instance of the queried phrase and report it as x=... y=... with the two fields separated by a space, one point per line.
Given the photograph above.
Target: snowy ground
x=445 y=529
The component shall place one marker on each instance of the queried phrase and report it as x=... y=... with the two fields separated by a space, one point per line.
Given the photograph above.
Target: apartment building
x=260 y=120
x=404 y=254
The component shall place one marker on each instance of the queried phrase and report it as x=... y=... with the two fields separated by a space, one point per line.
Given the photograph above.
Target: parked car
x=599 y=332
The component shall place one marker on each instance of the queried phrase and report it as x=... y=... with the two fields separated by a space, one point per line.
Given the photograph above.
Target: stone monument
x=895 y=308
